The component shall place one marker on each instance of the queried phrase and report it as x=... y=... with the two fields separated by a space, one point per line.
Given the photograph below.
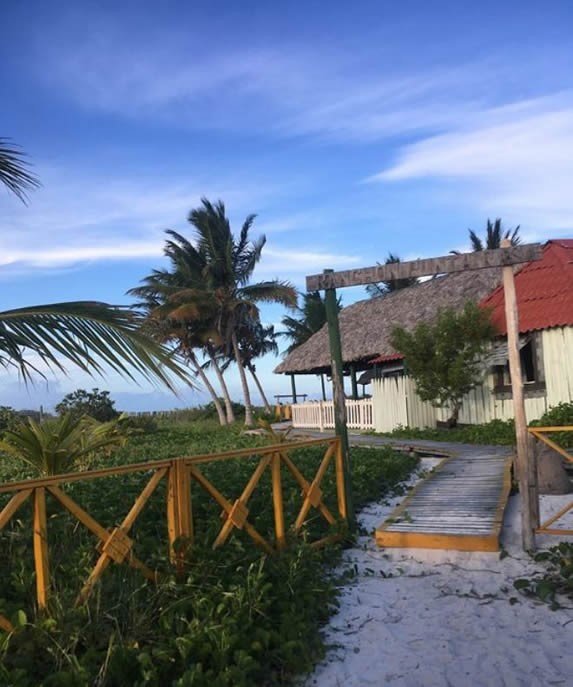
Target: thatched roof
x=366 y=326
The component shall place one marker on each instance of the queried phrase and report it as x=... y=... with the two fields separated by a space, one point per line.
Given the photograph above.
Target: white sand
x=445 y=618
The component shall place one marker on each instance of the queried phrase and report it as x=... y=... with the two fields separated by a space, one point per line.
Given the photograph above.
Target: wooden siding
x=395 y=401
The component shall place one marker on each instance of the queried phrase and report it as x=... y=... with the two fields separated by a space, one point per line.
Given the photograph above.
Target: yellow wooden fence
x=540 y=434
x=116 y=545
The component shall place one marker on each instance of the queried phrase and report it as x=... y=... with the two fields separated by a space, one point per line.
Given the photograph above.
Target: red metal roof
x=544 y=291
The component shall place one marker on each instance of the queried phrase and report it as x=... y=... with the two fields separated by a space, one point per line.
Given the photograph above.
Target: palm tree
x=184 y=325
x=88 y=334
x=493 y=236
x=60 y=444
x=215 y=288
x=382 y=288
x=255 y=341
x=230 y=263
x=311 y=319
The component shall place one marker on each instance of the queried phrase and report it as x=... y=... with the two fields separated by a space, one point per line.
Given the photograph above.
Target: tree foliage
x=493 y=236
x=389 y=285
x=14 y=170
x=61 y=444
x=95 y=404
x=308 y=319
x=208 y=288
x=444 y=357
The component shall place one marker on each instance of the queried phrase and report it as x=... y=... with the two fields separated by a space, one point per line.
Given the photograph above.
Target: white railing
x=320 y=414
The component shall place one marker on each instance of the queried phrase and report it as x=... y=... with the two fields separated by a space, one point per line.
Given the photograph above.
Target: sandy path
x=421 y=618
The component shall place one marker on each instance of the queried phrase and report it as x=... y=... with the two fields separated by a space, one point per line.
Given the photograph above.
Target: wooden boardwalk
x=459 y=506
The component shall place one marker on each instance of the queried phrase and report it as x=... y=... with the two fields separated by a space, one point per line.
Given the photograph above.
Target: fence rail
x=320 y=414
x=180 y=473
x=540 y=434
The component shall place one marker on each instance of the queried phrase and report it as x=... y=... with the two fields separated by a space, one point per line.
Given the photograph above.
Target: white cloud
x=516 y=160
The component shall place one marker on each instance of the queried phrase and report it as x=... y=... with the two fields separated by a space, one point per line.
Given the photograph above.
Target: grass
x=237 y=618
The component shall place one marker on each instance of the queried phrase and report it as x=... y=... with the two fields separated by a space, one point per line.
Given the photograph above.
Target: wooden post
x=278 y=502
x=353 y=382
x=179 y=513
x=331 y=307
x=322 y=386
x=524 y=462
x=293 y=388
x=41 y=547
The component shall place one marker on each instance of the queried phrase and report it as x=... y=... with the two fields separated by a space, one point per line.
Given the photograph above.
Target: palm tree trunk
x=224 y=389
x=201 y=372
x=267 y=405
x=243 y=376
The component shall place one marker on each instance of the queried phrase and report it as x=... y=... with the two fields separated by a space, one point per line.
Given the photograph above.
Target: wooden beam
x=524 y=462
x=331 y=307
x=500 y=257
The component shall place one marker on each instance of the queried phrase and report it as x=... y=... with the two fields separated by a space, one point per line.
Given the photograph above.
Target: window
x=531 y=369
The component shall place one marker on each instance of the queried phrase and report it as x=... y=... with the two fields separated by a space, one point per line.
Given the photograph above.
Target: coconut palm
x=493 y=236
x=255 y=341
x=381 y=288
x=88 y=334
x=179 y=312
x=61 y=444
x=217 y=289
x=311 y=318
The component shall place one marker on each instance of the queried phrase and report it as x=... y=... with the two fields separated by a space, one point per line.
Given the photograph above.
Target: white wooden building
x=545 y=301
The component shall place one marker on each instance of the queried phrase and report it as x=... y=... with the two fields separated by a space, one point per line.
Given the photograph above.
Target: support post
x=525 y=468
x=293 y=388
x=41 y=547
x=179 y=513
x=331 y=307
x=353 y=382
x=323 y=388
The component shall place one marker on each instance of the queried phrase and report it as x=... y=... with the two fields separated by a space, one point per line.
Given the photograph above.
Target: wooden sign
x=500 y=257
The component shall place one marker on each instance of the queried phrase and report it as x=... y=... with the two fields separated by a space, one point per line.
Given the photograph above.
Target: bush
x=560 y=415
x=496 y=433
x=95 y=403
x=8 y=418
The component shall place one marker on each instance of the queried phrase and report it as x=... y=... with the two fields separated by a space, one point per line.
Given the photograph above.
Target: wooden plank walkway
x=459 y=506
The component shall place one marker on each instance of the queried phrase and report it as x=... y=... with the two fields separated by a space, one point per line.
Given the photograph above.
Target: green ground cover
x=237 y=618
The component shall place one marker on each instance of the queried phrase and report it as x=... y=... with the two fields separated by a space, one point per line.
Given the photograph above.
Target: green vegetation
x=95 y=404
x=237 y=618
x=556 y=582
x=495 y=432
x=445 y=357
x=61 y=444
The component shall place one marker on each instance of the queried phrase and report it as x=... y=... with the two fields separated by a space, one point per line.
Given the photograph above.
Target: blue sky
x=352 y=130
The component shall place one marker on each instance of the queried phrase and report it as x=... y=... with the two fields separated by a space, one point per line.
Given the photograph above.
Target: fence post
x=278 y=502
x=179 y=513
x=321 y=415
x=41 y=547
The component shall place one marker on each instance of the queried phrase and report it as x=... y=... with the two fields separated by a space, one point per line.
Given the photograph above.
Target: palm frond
x=13 y=170
x=88 y=334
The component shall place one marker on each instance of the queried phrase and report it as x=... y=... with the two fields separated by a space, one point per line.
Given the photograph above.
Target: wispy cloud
x=516 y=160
